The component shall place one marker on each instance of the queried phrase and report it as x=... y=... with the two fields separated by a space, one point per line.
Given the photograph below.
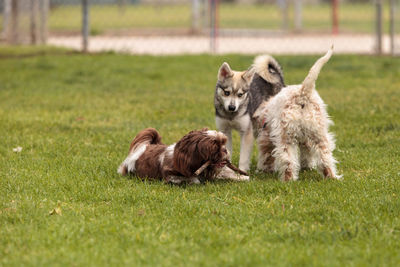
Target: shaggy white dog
x=293 y=130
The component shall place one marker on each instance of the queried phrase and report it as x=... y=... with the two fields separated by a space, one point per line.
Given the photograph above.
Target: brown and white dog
x=198 y=152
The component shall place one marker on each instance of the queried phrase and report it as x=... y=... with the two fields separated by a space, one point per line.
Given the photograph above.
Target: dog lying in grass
x=199 y=154
x=294 y=130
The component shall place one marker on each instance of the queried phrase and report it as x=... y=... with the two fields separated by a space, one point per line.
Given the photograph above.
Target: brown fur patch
x=196 y=148
x=269 y=163
x=124 y=170
x=266 y=147
x=148 y=165
x=322 y=144
x=288 y=176
x=328 y=172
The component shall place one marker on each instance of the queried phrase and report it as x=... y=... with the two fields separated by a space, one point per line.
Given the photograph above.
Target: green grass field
x=74 y=116
x=352 y=17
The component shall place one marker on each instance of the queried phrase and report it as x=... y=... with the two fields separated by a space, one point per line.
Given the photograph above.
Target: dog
x=295 y=130
x=239 y=94
x=201 y=151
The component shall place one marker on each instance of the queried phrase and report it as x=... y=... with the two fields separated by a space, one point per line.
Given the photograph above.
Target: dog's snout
x=231 y=108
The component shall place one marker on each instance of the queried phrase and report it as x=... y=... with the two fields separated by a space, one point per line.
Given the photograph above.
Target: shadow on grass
x=304 y=176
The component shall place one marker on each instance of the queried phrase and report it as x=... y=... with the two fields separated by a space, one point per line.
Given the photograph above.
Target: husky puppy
x=238 y=94
x=295 y=132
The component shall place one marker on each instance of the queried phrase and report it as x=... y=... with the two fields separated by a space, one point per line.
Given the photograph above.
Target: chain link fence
x=24 y=21
x=203 y=26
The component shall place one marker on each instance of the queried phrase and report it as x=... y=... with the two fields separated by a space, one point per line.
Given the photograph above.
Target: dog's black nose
x=231 y=108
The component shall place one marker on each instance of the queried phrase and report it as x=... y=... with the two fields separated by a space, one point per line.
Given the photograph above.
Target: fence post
x=195 y=16
x=13 y=33
x=33 y=21
x=205 y=14
x=6 y=18
x=298 y=15
x=14 y=22
x=335 y=18
x=378 y=48
x=121 y=6
x=213 y=25
x=43 y=11
x=391 y=26
x=85 y=25
x=284 y=6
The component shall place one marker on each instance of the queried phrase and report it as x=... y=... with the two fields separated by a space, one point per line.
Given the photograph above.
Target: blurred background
x=205 y=26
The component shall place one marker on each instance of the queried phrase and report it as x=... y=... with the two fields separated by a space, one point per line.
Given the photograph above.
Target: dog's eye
x=226 y=93
x=240 y=95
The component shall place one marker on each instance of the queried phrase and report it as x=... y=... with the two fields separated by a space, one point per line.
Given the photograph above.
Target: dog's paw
x=193 y=180
x=177 y=180
x=337 y=177
x=123 y=170
x=243 y=178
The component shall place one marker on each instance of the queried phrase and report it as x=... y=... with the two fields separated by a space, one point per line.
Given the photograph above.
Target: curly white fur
x=296 y=133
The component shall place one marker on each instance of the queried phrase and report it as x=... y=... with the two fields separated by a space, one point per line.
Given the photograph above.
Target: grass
x=352 y=17
x=74 y=116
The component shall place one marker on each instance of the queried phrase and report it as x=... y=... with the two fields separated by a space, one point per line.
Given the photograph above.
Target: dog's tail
x=269 y=69
x=309 y=82
x=146 y=137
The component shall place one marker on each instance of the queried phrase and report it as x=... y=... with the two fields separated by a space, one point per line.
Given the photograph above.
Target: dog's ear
x=224 y=72
x=247 y=76
x=187 y=157
x=221 y=138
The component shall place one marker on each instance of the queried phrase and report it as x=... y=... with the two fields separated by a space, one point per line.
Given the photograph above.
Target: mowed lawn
x=74 y=116
x=108 y=18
